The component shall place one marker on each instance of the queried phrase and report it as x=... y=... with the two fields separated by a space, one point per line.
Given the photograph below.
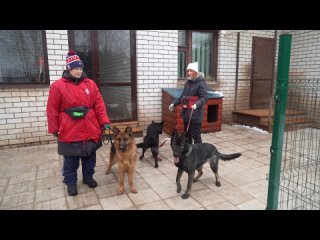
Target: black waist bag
x=78 y=149
x=77 y=112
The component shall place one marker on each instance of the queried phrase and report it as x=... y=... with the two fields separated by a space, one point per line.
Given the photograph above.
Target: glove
x=171 y=107
x=106 y=126
x=194 y=106
x=55 y=134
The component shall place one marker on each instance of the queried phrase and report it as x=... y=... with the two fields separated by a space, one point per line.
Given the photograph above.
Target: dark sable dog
x=151 y=140
x=190 y=158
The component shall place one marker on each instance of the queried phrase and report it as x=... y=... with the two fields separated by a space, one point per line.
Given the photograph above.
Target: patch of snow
x=220 y=94
x=252 y=128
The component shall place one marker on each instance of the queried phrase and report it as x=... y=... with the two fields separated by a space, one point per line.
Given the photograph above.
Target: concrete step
x=295 y=119
x=292 y=123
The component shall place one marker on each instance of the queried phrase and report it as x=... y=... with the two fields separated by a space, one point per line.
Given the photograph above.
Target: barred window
x=198 y=46
x=22 y=57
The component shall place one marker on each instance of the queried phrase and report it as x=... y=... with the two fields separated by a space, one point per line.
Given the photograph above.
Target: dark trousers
x=71 y=165
x=194 y=132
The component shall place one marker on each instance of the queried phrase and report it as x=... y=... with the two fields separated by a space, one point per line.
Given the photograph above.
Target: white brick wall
x=157 y=59
x=22 y=115
x=23 y=110
x=227 y=53
x=57 y=45
x=305 y=54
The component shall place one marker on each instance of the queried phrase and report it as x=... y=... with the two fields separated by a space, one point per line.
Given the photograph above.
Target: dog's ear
x=129 y=131
x=183 y=136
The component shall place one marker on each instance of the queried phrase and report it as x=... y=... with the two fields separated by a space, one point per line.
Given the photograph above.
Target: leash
x=189 y=120
x=108 y=136
x=163 y=142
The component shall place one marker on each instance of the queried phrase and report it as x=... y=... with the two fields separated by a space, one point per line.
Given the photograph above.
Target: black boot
x=72 y=190
x=91 y=182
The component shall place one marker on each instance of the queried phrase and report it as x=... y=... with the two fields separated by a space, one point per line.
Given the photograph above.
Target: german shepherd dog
x=151 y=140
x=190 y=158
x=124 y=153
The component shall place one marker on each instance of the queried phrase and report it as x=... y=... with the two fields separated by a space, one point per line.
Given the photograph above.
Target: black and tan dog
x=190 y=158
x=151 y=140
x=124 y=153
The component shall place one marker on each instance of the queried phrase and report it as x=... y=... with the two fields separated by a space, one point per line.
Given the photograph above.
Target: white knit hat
x=193 y=66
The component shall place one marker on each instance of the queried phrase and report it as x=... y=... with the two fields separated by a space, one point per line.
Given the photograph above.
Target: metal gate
x=299 y=186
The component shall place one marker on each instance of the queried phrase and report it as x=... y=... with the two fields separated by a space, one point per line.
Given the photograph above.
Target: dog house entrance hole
x=212 y=113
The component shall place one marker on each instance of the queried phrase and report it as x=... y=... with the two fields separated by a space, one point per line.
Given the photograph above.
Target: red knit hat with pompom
x=73 y=61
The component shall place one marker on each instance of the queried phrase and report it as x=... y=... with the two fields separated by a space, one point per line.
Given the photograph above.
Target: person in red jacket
x=76 y=115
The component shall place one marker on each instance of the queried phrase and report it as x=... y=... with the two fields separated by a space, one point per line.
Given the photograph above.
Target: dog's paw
x=185 y=196
x=141 y=158
x=178 y=189
x=195 y=180
x=218 y=184
x=156 y=166
x=133 y=189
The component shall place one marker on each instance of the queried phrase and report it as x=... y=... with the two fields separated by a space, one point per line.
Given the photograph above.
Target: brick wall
x=227 y=54
x=304 y=65
x=23 y=110
x=157 y=59
x=305 y=54
x=57 y=45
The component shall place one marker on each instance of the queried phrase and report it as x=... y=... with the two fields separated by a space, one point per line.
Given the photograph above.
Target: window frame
x=188 y=51
x=46 y=81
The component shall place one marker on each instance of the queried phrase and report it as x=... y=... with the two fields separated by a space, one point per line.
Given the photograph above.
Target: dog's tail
x=140 y=145
x=229 y=156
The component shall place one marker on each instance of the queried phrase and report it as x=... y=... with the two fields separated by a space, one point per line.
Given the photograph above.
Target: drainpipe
x=237 y=69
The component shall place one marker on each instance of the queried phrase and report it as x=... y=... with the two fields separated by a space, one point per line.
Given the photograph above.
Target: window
x=201 y=47
x=182 y=53
x=22 y=57
x=110 y=59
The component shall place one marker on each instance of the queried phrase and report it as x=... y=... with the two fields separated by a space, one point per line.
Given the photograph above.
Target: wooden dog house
x=212 y=112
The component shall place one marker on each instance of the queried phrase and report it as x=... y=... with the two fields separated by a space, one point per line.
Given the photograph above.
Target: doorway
x=262 y=72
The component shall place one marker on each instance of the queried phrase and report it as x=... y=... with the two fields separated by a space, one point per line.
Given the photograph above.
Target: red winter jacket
x=64 y=94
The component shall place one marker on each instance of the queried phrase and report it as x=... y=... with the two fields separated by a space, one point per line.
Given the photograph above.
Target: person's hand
x=106 y=126
x=171 y=107
x=194 y=106
x=55 y=134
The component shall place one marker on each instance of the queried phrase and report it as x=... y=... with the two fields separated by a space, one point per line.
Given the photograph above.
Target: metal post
x=273 y=79
x=280 y=99
x=237 y=73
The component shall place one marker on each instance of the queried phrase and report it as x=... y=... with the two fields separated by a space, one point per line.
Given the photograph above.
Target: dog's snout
x=123 y=146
